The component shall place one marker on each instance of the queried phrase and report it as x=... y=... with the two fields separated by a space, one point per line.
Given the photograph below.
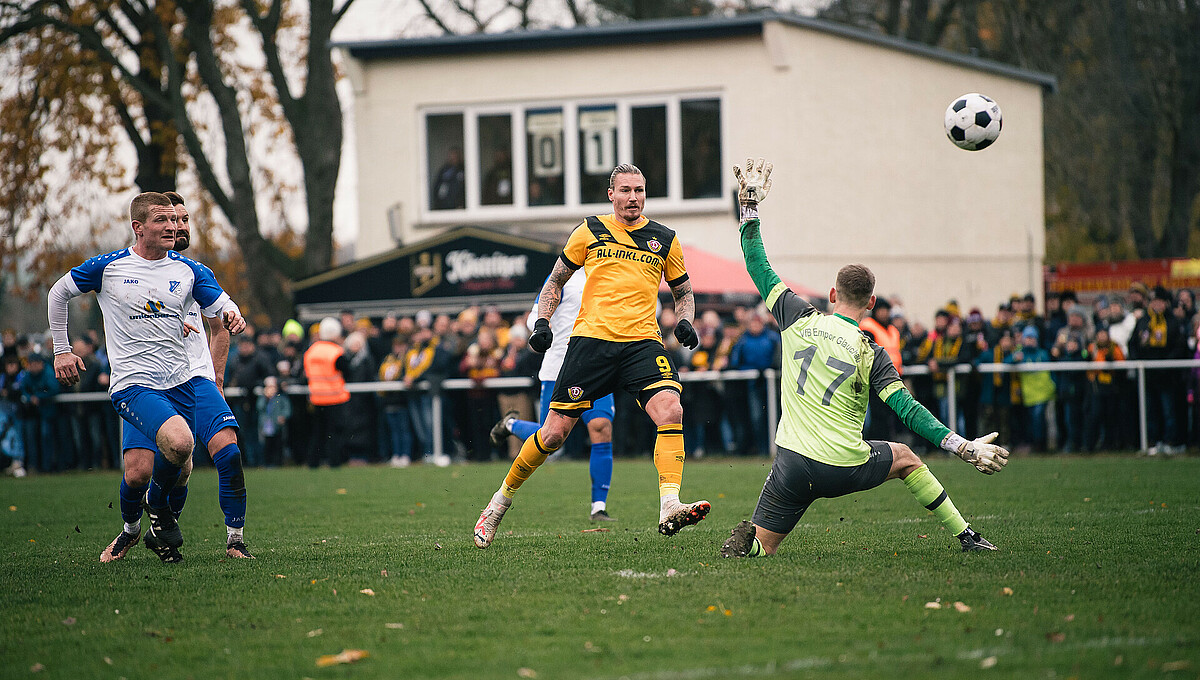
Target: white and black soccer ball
x=973 y=121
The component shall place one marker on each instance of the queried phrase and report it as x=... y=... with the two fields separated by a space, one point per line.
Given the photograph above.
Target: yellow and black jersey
x=624 y=266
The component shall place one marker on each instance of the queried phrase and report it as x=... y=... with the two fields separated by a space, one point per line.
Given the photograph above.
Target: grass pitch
x=1098 y=576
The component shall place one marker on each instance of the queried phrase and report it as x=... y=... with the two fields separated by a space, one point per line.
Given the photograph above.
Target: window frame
x=572 y=207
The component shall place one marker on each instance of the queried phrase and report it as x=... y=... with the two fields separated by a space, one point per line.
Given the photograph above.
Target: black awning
x=445 y=273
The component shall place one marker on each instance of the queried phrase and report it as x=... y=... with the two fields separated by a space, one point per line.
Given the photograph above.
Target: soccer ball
x=973 y=122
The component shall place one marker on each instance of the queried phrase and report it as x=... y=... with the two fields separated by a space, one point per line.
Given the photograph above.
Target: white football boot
x=489 y=520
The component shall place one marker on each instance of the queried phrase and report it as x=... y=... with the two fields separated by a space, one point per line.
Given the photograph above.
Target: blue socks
x=231 y=485
x=162 y=480
x=600 y=463
x=600 y=466
x=177 y=498
x=131 y=502
x=523 y=429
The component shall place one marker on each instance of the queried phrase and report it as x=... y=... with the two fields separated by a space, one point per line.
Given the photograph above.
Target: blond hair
x=139 y=207
x=624 y=169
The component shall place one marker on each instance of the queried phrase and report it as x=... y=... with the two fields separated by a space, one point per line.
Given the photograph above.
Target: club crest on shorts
x=653 y=245
x=575 y=393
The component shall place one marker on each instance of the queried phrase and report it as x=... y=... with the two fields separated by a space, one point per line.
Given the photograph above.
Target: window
x=544 y=151
x=447 y=178
x=549 y=160
x=597 y=151
x=700 y=127
x=650 y=147
x=495 y=160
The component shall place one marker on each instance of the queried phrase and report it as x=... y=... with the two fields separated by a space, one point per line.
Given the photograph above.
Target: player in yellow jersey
x=615 y=344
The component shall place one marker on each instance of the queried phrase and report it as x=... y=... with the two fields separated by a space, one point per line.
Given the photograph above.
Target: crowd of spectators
x=1038 y=410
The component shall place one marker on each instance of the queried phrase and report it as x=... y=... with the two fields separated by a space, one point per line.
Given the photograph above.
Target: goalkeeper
x=829 y=368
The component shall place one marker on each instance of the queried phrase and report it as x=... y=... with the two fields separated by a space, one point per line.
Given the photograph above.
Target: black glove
x=686 y=335
x=542 y=336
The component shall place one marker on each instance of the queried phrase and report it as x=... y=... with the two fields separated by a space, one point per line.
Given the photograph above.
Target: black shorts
x=795 y=481
x=594 y=368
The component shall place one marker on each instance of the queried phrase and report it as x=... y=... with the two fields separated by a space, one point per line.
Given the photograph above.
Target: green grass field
x=1102 y=556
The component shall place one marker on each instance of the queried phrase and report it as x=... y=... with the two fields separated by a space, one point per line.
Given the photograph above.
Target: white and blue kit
x=561 y=324
x=145 y=304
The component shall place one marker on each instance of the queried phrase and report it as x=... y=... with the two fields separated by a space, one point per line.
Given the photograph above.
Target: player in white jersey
x=144 y=293
x=216 y=428
x=598 y=418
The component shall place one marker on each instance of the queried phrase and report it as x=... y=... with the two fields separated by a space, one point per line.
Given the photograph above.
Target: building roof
x=715 y=275
x=661 y=31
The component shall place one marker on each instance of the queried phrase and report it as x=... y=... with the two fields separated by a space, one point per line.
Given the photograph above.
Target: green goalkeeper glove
x=753 y=185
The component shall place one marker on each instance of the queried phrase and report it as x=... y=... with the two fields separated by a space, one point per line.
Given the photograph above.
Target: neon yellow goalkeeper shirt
x=829 y=370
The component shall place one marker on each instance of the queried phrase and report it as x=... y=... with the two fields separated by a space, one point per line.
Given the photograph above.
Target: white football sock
x=133 y=528
x=597 y=506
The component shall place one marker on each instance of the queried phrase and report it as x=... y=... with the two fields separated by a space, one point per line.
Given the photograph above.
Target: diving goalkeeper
x=829 y=367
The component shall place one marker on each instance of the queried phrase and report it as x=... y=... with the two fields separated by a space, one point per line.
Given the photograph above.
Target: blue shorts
x=212 y=412
x=146 y=410
x=601 y=408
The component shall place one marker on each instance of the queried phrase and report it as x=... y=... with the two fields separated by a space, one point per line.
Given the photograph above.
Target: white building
x=851 y=120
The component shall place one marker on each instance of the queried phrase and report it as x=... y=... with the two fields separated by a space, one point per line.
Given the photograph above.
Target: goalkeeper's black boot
x=972 y=540
x=163 y=526
x=741 y=540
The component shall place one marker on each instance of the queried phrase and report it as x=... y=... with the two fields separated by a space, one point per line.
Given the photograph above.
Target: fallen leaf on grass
x=988 y=662
x=1007 y=591
x=922 y=535
x=961 y=608
x=671 y=572
x=526 y=672
x=1181 y=665
x=383 y=573
x=367 y=591
x=314 y=633
x=1069 y=618
x=13 y=508
x=933 y=605
x=69 y=621
x=346 y=656
x=1056 y=636
x=37 y=668
x=592 y=531
x=393 y=625
x=280 y=576
x=341 y=492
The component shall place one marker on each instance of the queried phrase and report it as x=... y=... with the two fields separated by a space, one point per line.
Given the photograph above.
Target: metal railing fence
x=1138 y=368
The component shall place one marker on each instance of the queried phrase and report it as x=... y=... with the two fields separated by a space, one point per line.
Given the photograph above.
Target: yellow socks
x=929 y=492
x=668 y=458
x=532 y=455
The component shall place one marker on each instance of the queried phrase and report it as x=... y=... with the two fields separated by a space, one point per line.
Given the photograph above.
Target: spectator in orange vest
x=882 y=423
x=325 y=364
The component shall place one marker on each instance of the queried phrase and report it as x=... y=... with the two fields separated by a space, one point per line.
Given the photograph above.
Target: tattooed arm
x=551 y=294
x=685 y=302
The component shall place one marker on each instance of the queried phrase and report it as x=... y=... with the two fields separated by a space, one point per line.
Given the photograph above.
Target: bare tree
x=165 y=56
